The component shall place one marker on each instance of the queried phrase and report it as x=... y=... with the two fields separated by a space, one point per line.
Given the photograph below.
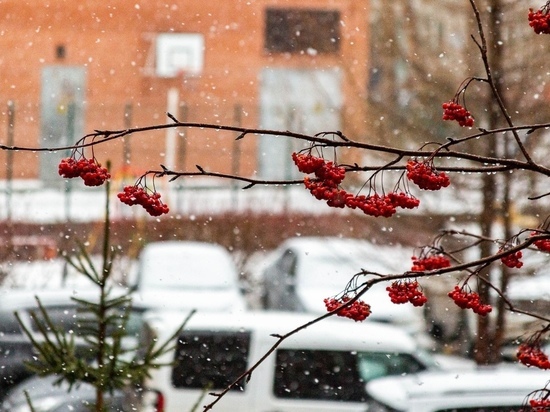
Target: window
x=302 y=31
x=335 y=375
x=210 y=359
x=321 y=375
x=372 y=365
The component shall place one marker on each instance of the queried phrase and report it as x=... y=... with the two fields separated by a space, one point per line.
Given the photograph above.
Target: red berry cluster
x=403 y=200
x=373 y=205
x=540 y=405
x=531 y=354
x=431 y=262
x=454 y=111
x=539 y=20
x=136 y=195
x=88 y=169
x=358 y=310
x=307 y=163
x=327 y=172
x=469 y=300
x=325 y=186
x=513 y=260
x=407 y=291
x=425 y=176
x=542 y=244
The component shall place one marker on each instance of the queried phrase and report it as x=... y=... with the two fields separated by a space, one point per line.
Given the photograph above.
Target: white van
x=188 y=275
x=322 y=368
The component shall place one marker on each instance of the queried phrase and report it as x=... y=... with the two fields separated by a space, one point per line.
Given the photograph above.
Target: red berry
x=512 y=260
x=454 y=111
x=406 y=291
x=539 y=20
x=469 y=300
x=425 y=176
x=531 y=354
x=432 y=262
x=358 y=310
x=134 y=195
x=88 y=169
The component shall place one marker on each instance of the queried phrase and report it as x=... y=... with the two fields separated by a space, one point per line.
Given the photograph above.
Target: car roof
x=383 y=257
x=335 y=332
x=184 y=245
x=505 y=384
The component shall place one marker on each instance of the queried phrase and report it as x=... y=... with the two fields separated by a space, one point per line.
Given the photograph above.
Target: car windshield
x=198 y=269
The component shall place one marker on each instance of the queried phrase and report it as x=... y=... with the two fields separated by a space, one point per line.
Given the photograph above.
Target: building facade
x=68 y=68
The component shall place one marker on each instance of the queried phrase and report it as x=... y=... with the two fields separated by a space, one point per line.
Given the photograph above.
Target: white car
x=502 y=388
x=306 y=270
x=188 y=275
x=321 y=368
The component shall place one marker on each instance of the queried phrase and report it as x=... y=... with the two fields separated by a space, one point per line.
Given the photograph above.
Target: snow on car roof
x=376 y=257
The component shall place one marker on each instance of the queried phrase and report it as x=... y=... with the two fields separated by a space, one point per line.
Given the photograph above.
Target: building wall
x=114 y=42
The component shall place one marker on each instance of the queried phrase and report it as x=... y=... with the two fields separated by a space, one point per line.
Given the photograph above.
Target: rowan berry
x=406 y=291
x=539 y=405
x=403 y=200
x=540 y=20
x=307 y=163
x=469 y=300
x=454 y=111
x=531 y=354
x=358 y=310
x=68 y=168
x=432 y=262
x=512 y=260
x=89 y=170
x=542 y=244
x=425 y=176
x=136 y=195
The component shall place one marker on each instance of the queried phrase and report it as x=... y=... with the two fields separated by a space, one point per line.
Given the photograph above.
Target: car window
x=373 y=365
x=318 y=374
x=210 y=359
x=335 y=375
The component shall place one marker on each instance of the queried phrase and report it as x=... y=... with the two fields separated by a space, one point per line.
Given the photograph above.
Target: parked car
x=16 y=349
x=321 y=368
x=48 y=396
x=503 y=388
x=188 y=275
x=306 y=270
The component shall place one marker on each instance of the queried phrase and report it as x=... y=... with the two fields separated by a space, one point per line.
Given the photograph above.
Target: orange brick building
x=70 y=67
